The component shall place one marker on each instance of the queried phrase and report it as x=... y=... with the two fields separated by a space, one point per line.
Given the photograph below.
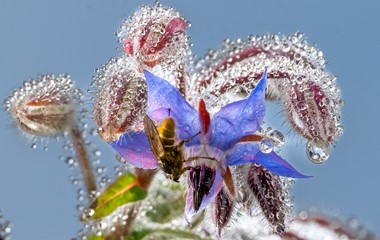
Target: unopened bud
x=121 y=99
x=44 y=106
x=271 y=195
x=222 y=208
x=155 y=35
x=315 y=113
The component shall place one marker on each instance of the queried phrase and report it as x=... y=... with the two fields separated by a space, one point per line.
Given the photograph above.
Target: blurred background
x=76 y=37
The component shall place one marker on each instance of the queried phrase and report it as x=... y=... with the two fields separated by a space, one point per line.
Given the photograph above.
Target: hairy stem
x=122 y=229
x=83 y=160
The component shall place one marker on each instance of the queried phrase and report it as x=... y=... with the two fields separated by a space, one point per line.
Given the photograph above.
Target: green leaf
x=123 y=190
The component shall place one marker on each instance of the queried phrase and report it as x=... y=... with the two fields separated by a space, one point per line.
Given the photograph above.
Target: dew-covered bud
x=155 y=35
x=314 y=112
x=121 y=98
x=296 y=77
x=45 y=106
x=314 y=226
x=222 y=208
x=271 y=195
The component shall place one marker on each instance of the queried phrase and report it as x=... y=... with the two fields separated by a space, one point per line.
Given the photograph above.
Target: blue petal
x=215 y=189
x=135 y=149
x=162 y=97
x=239 y=119
x=249 y=152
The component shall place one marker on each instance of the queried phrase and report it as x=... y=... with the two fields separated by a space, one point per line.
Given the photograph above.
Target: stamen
x=205 y=116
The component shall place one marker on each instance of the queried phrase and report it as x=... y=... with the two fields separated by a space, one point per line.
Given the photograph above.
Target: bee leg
x=188 y=139
x=185 y=169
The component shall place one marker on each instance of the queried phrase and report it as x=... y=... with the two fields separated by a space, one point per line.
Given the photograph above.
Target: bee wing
x=153 y=137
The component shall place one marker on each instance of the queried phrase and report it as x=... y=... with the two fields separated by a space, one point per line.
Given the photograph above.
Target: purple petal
x=239 y=119
x=250 y=152
x=216 y=187
x=162 y=97
x=135 y=149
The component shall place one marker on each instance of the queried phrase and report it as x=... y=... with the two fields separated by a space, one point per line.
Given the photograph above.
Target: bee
x=169 y=156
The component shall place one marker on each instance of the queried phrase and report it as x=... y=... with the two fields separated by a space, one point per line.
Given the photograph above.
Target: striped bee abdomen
x=166 y=131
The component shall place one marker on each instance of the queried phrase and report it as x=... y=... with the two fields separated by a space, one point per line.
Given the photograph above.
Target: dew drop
x=266 y=146
x=276 y=137
x=339 y=129
x=120 y=159
x=94 y=132
x=88 y=212
x=317 y=150
x=97 y=152
x=70 y=161
x=33 y=146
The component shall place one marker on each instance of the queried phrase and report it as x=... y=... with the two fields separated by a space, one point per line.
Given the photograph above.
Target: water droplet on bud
x=317 y=150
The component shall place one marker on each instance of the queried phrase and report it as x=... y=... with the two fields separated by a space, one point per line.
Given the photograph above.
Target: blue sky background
x=75 y=37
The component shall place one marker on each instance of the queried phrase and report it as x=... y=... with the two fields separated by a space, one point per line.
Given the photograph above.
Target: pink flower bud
x=313 y=225
x=121 y=99
x=155 y=35
x=45 y=106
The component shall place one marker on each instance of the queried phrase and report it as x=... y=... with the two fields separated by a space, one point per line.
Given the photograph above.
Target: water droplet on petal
x=33 y=146
x=266 y=146
x=276 y=137
x=186 y=128
x=317 y=150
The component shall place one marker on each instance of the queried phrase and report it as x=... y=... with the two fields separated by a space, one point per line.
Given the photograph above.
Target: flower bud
x=316 y=225
x=222 y=208
x=121 y=98
x=45 y=106
x=271 y=196
x=155 y=35
x=315 y=113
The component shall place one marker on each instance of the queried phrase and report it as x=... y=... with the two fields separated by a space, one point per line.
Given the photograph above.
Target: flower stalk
x=83 y=159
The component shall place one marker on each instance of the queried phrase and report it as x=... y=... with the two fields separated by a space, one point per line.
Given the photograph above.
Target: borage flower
x=211 y=146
